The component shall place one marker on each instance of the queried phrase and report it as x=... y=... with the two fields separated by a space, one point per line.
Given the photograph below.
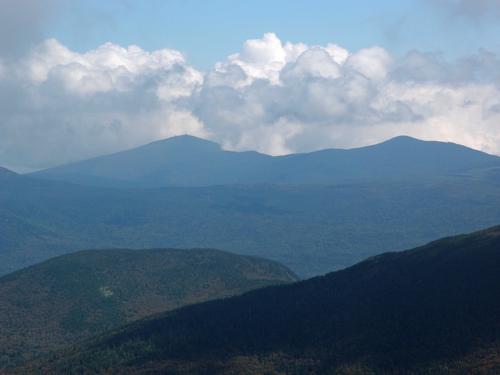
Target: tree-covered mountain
x=190 y=161
x=431 y=310
x=323 y=211
x=311 y=229
x=68 y=298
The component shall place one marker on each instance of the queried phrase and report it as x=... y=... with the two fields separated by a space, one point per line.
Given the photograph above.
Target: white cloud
x=314 y=62
x=374 y=63
x=265 y=59
x=58 y=105
x=326 y=96
x=111 y=68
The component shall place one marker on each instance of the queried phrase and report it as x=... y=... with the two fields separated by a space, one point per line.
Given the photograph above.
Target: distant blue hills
x=314 y=213
x=4 y=173
x=190 y=161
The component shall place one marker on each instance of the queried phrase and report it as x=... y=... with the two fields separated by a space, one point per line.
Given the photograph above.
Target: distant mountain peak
x=408 y=140
x=187 y=160
x=186 y=140
x=6 y=172
x=403 y=138
x=405 y=143
x=187 y=137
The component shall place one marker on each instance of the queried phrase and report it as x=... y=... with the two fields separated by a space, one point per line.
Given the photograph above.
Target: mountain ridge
x=71 y=297
x=4 y=172
x=429 y=310
x=311 y=229
x=190 y=161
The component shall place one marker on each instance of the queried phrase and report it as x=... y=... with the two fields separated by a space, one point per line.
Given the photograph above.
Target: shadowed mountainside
x=431 y=310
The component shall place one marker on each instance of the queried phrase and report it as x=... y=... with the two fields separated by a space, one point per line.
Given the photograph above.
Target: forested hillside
x=311 y=229
x=431 y=310
x=69 y=298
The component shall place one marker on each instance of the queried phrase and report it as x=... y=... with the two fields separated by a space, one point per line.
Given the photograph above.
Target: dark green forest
x=430 y=310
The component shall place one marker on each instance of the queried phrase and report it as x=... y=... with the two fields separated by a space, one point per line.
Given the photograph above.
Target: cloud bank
x=57 y=105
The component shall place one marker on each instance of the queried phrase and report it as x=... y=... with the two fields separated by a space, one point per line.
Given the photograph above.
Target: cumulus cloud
x=57 y=105
x=111 y=68
x=265 y=58
x=325 y=96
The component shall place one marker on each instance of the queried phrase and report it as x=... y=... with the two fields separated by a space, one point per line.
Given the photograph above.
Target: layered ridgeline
x=311 y=229
x=190 y=161
x=5 y=173
x=68 y=298
x=431 y=310
x=394 y=195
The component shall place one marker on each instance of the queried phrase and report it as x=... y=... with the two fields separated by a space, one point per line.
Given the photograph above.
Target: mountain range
x=311 y=228
x=431 y=310
x=190 y=161
x=5 y=173
x=66 y=299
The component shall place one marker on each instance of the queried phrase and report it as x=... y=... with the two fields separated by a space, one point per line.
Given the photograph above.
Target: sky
x=207 y=31
x=84 y=78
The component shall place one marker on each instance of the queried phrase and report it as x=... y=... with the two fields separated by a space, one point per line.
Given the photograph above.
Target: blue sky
x=207 y=31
